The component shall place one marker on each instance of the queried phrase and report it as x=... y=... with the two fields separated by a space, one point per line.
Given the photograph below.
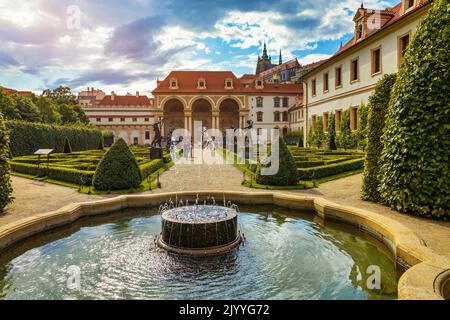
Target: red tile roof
x=12 y=91
x=215 y=83
x=292 y=64
x=126 y=101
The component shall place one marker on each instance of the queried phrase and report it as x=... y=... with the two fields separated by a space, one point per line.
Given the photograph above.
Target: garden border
x=427 y=278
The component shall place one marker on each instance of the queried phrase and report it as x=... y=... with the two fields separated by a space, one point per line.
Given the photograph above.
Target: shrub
x=287 y=174
x=118 y=169
x=100 y=145
x=361 y=133
x=67 y=147
x=378 y=106
x=292 y=137
x=5 y=180
x=27 y=137
x=415 y=158
x=331 y=135
x=331 y=169
x=151 y=167
x=345 y=138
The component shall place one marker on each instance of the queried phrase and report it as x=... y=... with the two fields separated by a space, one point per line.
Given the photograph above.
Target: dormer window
x=409 y=4
x=201 y=84
x=259 y=84
x=228 y=84
x=173 y=83
x=359 y=30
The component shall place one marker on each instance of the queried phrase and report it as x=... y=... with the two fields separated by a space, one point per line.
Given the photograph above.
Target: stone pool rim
x=427 y=278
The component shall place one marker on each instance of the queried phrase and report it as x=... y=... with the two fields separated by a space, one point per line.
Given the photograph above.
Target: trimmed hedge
x=378 y=106
x=118 y=170
x=5 y=180
x=331 y=169
x=27 y=137
x=78 y=177
x=151 y=167
x=415 y=160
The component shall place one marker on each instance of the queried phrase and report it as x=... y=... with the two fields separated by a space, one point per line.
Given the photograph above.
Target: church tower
x=264 y=62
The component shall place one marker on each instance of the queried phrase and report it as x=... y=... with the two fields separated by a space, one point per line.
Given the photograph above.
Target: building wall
x=352 y=94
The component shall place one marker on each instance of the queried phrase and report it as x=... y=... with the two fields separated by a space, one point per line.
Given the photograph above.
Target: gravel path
x=36 y=197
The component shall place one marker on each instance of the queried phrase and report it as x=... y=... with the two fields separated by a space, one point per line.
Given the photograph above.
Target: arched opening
x=173 y=115
x=202 y=111
x=228 y=114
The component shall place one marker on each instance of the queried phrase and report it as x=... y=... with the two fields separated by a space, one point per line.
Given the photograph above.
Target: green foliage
x=27 y=137
x=151 y=167
x=26 y=108
x=378 y=106
x=300 y=142
x=330 y=169
x=287 y=174
x=345 y=136
x=100 y=145
x=48 y=109
x=67 y=147
x=108 y=138
x=331 y=134
x=72 y=114
x=292 y=137
x=360 y=135
x=415 y=158
x=118 y=169
x=316 y=136
x=8 y=106
x=5 y=180
x=61 y=95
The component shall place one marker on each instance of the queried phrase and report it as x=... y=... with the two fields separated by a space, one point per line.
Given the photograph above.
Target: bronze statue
x=157 y=129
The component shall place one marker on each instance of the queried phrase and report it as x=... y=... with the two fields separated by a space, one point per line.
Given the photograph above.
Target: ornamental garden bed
x=77 y=169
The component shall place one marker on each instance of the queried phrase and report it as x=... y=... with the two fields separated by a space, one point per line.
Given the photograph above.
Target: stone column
x=215 y=119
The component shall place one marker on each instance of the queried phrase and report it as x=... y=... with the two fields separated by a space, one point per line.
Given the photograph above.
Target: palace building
x=348 y=78
x=221 y=101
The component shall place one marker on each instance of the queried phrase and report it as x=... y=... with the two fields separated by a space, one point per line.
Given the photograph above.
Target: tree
x=5 y=180
x=8 y=107
x=48 y=109
x=68 y=114
x=331 y=135
x=345 y=138
x=67 y=146
x=319 y=134
x=287 y=174
x=27 y=109
x=61 y=95
x=82 y=118
x=415 y=171
x=118 y=169
x=361 y=134
x=378 y=106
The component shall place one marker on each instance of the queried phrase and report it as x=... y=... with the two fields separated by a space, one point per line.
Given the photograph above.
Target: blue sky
x=126 y=45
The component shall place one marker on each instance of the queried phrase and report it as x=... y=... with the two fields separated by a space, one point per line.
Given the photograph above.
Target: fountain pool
x=288 y=254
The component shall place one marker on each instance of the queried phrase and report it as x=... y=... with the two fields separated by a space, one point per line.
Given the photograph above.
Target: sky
x=125 y=46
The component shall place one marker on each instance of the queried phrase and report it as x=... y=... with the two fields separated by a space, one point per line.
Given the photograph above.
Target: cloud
x=6 y=60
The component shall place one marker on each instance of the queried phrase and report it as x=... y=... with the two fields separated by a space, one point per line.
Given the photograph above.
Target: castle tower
x=264 y=62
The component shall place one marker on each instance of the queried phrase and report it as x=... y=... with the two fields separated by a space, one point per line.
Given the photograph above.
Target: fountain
x=199 y=229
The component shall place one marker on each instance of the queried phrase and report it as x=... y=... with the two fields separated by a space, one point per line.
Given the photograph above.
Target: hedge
x=27 y=137
x=151 y=167
x=73 y=176
x=331 y=169
x=5 y=180
x=416 y=152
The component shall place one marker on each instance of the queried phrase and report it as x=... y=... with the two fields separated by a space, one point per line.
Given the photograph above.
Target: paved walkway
x=36 y=197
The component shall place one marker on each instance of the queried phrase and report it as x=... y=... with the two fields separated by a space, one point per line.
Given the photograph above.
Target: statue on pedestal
x=156 y=147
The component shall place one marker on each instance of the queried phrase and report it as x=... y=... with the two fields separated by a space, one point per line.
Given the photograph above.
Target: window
x=409 y=4
x=147 y=135
x=314 y=121
x=228 y=83
x=98 y=120
x=259 y=131
x=201 y=84
x=259 y=83
x=173 y=83
x=325 y=121
x=353 y=118
x=276 y=102
x=376 y=61
x=354 y=70
x=403 y=43
x=313 y=87
x=134 y=119
x=147 y=119
x=259 y=102
x=285 y=116
x=285 y=102
x=338 y=77
x=276 y=117
x=325 y=82
x=122 y=119
x=259 y=117
x=337 y=119
x=110 y=119
x=359 y=30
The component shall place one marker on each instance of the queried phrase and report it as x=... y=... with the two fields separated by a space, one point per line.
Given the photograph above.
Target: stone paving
x=36 y=197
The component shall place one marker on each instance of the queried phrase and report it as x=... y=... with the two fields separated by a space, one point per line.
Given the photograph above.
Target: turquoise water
x=287 y=255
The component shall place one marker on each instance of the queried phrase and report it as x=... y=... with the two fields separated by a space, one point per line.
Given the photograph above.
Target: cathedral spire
x=280 y=60
x=265 y=56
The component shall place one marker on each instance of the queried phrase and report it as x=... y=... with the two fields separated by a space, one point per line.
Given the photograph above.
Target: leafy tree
x=331 y=135
x=415 y=171
x=319 y=134
x=68 y=114
x=361 y=134
x=345 y=137
x=8 y=106
x=48 y=109
x=378 y=106
x=287 y=174
x=5 y=180
x=118 y=169
x=27 y=109
x=311 y=137
x=82 y=118
x=67 y=146
x=61 y=95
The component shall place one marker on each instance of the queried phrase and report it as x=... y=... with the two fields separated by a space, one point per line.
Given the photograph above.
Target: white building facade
x=349 y=77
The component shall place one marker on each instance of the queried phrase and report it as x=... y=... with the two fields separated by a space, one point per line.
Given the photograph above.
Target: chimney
x=113 y=95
